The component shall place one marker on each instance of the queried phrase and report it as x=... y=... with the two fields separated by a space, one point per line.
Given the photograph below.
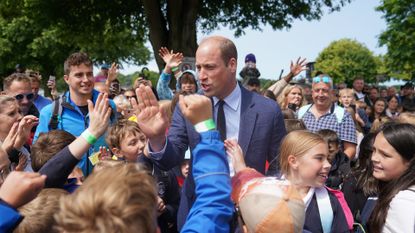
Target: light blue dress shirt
x=232 y=109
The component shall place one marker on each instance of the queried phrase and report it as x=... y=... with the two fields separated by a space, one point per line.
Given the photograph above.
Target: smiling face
x=379 y=107
x=131 y=146
x=23 y=89
x=388 y=164
x=80 y=80
x=217 y=77
x=321 y=94
x=312 y=168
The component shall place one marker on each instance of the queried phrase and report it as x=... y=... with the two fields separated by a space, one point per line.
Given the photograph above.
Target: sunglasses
x=325 y=79
x=20 y=97
x=130 y=97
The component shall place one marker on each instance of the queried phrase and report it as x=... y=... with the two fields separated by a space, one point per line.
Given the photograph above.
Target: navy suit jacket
x=261 y=130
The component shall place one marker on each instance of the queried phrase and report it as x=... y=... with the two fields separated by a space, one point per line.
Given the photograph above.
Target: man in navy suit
x=256 y=122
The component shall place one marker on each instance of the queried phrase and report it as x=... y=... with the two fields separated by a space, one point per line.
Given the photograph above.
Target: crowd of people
x=204 y=151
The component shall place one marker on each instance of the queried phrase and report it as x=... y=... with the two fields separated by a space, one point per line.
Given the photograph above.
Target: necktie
x=221 y=121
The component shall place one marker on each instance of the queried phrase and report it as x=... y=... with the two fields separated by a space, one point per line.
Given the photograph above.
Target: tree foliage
x=344 y=59
x=399 y=36
x=42 y=33
x=174 y=23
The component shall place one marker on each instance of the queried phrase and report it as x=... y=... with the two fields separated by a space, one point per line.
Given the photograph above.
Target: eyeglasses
x=20 y=97
x=130 y=97
x=325 y=79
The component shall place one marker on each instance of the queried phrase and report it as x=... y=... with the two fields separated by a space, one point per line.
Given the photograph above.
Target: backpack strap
x=57 y=112
x=325 y=209
x=339 y=112
x=303 y=110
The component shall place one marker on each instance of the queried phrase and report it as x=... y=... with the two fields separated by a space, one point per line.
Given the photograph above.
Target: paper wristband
x=174 y=69
x=91 y=139
x=205 y=126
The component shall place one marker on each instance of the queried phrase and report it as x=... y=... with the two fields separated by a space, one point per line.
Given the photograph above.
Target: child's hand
x=151 y=117
x=104 y=153
x=8 y=143
x=22 y=162
x=161 y=207
x=196 y=108
x=21 y=187
x=235 y=152
x=23 y=132
x=99 y=116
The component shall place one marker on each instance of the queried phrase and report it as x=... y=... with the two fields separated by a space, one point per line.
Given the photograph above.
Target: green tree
x=344 y=59
x=174 y=23
x=41 y=33
x=399 y=36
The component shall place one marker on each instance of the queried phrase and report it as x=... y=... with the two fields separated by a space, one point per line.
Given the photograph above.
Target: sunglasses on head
x=325 y=79
x=22 y=96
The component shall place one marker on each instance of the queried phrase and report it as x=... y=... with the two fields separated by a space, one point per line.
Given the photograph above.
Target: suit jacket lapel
x=248 y=119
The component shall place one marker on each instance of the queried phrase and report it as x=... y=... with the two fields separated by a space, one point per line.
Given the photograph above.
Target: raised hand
x=21 y=187
x=234 y=151
x=298 y=67
x=8 y=143
x=22 y=162
x=99 y=116
x=23 y=132
x=151 y=117
x=196 y=108
x=171 y=59
x=112 y=73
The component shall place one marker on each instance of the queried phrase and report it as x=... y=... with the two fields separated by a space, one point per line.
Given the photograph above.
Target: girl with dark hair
x=378 y=109
x=360 y=187
x=393 y=162
x=392 y=110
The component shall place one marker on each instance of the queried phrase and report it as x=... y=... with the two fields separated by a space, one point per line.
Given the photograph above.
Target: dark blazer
x=261 y=130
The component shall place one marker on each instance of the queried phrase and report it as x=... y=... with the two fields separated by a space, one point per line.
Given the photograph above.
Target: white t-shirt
x=401 y=213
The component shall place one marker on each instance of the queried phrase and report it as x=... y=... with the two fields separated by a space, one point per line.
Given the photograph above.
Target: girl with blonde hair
x=291 y=98
x=304 y=164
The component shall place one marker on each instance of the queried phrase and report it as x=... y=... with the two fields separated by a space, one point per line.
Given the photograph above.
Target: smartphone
x=292 y=107
x=52 y=78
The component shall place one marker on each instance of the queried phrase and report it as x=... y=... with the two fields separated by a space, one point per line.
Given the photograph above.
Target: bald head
x=226 y=47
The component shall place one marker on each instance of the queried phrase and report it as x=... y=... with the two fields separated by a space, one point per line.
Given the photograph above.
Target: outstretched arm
x=210 y=171
x=295 y=69
x=61 y=165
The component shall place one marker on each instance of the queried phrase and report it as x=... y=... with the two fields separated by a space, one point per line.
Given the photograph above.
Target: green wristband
x=89 y=137
x=205 y=126
x=174 y=69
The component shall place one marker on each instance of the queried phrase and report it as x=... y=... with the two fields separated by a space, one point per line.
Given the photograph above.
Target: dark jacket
x=340 y=168
x=312 y=217
x=168 y=190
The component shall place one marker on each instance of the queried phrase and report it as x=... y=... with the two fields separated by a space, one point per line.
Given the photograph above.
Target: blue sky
x=275 y=49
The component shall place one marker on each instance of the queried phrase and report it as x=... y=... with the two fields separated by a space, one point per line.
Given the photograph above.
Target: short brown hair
x=38 y=214
x=47 y=145
x=76 y=59
x=116 y=199
x=290 y=146
x=227 y=48
x=118 y=132
x=18 y=77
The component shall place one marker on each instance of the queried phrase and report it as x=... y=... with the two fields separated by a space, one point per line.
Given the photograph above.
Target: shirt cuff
x=156 y=155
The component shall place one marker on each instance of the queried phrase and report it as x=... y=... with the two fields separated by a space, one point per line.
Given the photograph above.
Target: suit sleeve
x=278 y=133
x=177 y=143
